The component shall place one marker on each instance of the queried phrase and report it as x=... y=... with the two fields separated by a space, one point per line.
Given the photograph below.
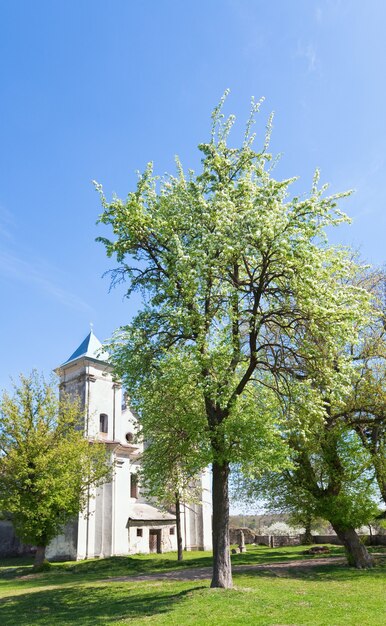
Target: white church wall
x=86 y=530
x=64 y=546
x=127 y=425
x=103 y=522
x=121 y=505
x=139 y=537
x=206 y=482
x=138 y=544
x=103 y=396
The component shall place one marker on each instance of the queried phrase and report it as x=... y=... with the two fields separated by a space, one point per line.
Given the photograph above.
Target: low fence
x=276 y=541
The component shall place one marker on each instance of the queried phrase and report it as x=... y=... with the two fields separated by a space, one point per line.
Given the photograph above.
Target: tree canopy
x=46 y=464
x=236 y=274
x=336 y=451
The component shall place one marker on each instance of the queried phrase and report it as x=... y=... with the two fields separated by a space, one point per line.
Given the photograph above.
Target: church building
x=118 y=519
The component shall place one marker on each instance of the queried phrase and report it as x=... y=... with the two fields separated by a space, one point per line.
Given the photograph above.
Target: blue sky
x=93 y=90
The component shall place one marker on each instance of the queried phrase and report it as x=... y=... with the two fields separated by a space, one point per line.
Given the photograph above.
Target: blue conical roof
x=90 y=347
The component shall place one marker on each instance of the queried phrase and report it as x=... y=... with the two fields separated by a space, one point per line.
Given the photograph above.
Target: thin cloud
x=331 y=10
x=16 y=268
x=4 y=232
x=6 y=222
x=308 y=52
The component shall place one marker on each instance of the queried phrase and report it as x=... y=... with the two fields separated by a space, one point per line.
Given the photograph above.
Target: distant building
x=118 y=519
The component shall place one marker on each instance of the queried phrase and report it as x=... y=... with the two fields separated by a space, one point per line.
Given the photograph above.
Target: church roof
x=90 y=347
x=141 y=512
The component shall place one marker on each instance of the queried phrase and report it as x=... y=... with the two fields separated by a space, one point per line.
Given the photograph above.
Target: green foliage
x=365 y=409
x=173 y=425
x=46 y=464
x=329 y=475
x=237 y=277
x=234 y=272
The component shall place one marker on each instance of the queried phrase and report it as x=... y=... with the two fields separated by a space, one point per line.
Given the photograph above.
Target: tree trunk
x=40 y=556
x=308 y=538
x=380 y=473
x=178 y=524
x=222 y=571
x=357 y=554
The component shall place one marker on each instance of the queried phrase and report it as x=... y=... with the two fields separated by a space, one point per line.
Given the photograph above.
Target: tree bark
x=380 y=474
x=357 y=554
x=308 y=538
x=180 y=554
x=222 y=571
x=40 y=556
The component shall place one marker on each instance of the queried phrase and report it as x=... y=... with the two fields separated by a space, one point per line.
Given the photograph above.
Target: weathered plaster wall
x=64 y=546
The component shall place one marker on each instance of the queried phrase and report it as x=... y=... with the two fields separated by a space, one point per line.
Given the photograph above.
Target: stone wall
x=234 y=534
x=368 y=540
x=278 y=541
x=10 y=545
x=267 y=540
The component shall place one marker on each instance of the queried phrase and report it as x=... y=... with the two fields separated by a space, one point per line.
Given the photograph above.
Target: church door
x=154 y=540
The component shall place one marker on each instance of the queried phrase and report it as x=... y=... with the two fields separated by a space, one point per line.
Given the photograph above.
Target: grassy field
x=82 y=594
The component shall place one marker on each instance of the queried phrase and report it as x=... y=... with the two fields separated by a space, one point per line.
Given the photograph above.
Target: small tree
x=172 y=421
x=280 y=495
x=46 y=464
x=307 y=521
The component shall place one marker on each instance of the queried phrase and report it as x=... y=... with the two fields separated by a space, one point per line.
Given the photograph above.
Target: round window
x=129 y=437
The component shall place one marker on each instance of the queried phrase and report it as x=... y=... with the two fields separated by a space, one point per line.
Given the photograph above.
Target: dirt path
x=202 y=573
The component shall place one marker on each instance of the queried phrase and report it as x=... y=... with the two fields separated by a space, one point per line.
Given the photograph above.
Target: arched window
x=103 y=423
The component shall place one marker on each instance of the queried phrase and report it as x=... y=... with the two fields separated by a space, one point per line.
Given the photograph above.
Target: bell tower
x=87 y=375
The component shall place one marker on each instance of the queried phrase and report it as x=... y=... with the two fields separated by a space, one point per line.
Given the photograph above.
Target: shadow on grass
x=16 y=561
x=321 y=573
x=12 y=567
x=95 y=569
x=88 y=606
x=130 y=566
x=256 y=557
x=146 y=565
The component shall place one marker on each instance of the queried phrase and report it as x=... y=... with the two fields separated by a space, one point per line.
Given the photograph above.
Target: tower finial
x=91 y=327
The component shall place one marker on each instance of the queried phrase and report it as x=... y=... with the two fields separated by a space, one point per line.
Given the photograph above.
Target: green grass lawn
x=80 y=593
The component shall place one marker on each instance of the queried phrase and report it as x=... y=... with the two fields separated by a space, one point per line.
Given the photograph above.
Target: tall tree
x=329 y=479
x=332 y=474
x=232 y=270
x=333 y=471
x=365 y=409
x=46 y=464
